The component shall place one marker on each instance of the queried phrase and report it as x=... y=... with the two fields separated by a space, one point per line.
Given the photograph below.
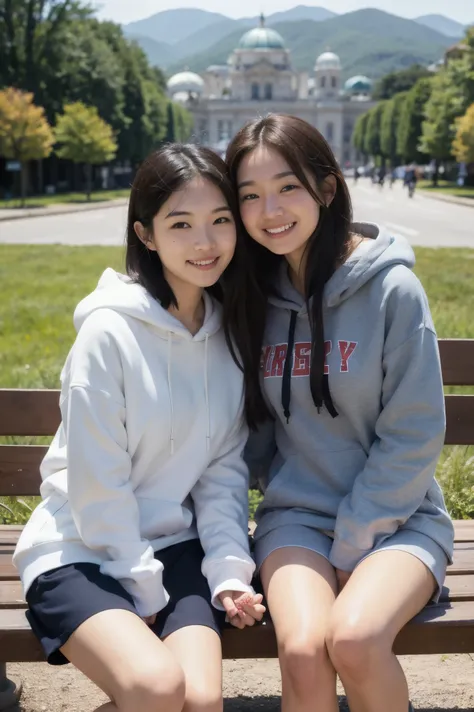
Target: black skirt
x=60 y=600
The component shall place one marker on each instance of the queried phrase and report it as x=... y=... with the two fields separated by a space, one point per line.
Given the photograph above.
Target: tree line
x=58 y=56
x=433 y=120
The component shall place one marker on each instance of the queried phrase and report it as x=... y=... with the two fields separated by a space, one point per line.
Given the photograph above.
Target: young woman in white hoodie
x=139 y=548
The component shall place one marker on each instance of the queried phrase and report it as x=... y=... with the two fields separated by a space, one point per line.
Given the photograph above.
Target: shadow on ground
x=271 y=703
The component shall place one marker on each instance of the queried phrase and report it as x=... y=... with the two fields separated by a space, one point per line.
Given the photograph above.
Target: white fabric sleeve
x=101 y=496
x=221 y=503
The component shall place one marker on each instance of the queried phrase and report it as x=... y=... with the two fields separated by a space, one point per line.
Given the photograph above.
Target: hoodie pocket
x=318 y=484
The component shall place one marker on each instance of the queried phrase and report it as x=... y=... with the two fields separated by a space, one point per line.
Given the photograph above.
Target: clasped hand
x=242 y=609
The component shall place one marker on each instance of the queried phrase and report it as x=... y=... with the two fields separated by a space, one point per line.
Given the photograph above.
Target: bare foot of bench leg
x=9 y=691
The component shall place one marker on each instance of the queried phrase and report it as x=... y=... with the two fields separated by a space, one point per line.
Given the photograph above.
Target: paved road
x=423 y=220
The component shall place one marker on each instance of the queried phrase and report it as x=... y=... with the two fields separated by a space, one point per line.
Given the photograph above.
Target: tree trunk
x=88 y=180
x=24 y=182
x=436 y=174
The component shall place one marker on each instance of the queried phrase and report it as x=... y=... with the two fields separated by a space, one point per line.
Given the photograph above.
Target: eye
x=289 y=187
x=180 y=226
x=250 y=196
x=221 y=221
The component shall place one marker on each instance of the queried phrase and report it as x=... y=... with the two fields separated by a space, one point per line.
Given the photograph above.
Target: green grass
x=449 y=188
x=42 y=201
x=41 y=285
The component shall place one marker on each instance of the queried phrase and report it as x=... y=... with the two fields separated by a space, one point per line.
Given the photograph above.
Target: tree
x=84 y=138
x=170 y=124
x=388 y=126
x=438 y=127
x=32 y=40
x=358 y=133
x=463 y=144
x=372 y=146
x=396 y=82
x=25 y=134
x=411 y=121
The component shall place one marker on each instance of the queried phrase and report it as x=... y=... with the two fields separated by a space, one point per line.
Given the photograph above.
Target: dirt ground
x=437 y=684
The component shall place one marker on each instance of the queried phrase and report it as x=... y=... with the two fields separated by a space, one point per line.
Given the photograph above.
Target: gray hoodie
x=369 y=471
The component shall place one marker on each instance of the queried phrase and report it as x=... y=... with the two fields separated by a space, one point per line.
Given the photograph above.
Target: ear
x=143 y=235
x=329 y=189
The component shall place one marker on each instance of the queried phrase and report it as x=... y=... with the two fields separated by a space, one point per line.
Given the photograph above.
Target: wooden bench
x=447 y=627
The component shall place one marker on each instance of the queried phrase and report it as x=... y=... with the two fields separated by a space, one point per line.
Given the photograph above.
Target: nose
x=205 y=239
x=272 y=207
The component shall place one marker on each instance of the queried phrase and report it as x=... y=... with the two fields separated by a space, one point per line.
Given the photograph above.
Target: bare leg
x=300 y=587
x=385 y=591
x=198 y=651
x=116 y=650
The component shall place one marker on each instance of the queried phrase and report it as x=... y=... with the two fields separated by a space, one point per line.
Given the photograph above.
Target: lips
x=204 y=264
x=279 y=230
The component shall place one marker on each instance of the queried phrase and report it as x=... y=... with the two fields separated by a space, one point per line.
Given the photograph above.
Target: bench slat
x=24 y=460
x=36 y=411
x=29 y=412
x=457 y=360
x=463 y=563
x=437 y=629
x=459 y=420
x=456 y=588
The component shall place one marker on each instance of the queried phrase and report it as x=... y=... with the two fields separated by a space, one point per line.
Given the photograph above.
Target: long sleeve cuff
x=229 y=576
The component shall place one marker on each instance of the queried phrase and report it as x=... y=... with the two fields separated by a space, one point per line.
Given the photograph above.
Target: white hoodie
x=148 y=453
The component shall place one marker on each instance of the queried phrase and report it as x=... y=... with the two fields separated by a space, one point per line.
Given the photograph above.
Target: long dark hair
x=162 y=173
x=309 y=156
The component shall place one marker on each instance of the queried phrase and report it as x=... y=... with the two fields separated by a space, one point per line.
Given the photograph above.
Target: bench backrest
x=36 y=412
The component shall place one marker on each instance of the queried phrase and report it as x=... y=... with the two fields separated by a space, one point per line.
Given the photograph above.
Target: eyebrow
x=275 y=177
x=178 y=213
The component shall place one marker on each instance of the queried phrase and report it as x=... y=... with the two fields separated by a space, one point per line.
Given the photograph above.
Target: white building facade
x=259 y=79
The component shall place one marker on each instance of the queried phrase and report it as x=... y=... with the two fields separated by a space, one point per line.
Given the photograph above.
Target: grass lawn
x=42 y=201
x=446 y=187
x=41 y=286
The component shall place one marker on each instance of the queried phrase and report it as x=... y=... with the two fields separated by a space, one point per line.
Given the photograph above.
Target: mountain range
x=369 y=41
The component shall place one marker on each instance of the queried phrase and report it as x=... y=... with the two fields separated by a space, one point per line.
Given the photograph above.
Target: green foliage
x=84 y=138
x=25 y=134
x=360 y=130
x=58 y=51
x=463 y=144
x=388 y=126
x=400 y=81
x=452 y=94
x=456 y=476
x=372 y=141
x=411 y=122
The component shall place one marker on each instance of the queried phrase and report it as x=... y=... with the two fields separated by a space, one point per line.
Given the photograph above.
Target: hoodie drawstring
x=286 y=382
x=208 y=434
x=170 y=392
x=206 y=390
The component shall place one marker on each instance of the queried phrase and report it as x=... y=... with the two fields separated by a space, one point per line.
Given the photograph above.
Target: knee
x=354 y=648
x=153 y=689
x=304 y=660
x=203 y=700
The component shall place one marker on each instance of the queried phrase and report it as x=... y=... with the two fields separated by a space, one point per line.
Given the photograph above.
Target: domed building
x=259 y=78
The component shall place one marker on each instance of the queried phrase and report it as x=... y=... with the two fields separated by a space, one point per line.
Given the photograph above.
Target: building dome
x=261 y=38
x=358 y=85
x=185 y=82
x=328 y=60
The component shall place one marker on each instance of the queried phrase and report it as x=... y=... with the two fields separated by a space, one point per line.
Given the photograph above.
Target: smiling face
x=276 y=209
x=194 y=235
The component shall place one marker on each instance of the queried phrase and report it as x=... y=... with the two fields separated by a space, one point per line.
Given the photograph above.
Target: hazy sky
x=128 y=10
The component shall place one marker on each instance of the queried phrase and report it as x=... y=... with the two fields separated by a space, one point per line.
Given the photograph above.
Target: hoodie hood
x=118 y=292
x=386 y=251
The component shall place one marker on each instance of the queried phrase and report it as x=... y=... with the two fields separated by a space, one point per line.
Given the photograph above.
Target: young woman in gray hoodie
x=353 y=536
